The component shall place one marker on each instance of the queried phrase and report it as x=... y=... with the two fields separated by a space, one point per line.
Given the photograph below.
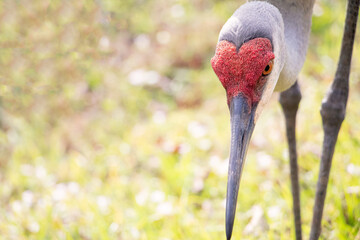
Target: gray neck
x=296 y=15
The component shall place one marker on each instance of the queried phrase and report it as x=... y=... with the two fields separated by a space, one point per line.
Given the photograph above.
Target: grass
x=114 y=126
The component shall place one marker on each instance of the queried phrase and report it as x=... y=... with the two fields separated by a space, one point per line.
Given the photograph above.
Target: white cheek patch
x=268 y=90
x=279 y=61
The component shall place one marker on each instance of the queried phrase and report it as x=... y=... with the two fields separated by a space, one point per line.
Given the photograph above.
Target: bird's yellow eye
x=268 y=68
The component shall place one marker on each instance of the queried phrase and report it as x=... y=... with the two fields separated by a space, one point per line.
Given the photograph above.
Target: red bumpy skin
x=241 y=72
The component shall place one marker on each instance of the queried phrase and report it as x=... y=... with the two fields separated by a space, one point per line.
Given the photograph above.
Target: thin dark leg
x=333 y=113
x=289 y=101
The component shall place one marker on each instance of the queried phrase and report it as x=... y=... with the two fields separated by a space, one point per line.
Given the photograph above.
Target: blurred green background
x=114 y=126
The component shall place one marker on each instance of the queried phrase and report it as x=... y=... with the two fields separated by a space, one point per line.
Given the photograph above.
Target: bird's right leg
x=333 y=113
x=289 y=101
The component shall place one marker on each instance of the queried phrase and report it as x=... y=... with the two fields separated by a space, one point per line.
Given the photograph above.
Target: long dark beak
x=242 y=126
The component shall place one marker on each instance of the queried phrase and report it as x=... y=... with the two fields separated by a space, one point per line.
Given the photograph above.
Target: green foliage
x=114 y=126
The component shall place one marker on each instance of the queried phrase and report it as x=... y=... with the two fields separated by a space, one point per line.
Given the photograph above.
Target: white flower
x=142 y=197
x=103 y=203
x=114 y=227
x=205 y=144
x=159 y=117
x=33 y=227
x=353 y=189
x=353 y=169
x=141 y=77
x=218 y=166
x=264 y=161
x=164 y=209
x=40 y=172
x=177 y=11
x=60 y=192
x=27 y=198
x=104 y=43
x=142 y=42
x=197 y=130
x=157 y=196
x=274 y=212
x=163 y=37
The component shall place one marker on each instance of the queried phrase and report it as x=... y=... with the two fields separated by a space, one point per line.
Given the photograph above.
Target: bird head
x=248 y=60
x=244 y=72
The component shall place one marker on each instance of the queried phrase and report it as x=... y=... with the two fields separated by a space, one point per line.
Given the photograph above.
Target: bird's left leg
x=289 y=101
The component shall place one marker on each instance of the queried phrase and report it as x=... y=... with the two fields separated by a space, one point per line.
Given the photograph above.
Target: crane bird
x=261 y=49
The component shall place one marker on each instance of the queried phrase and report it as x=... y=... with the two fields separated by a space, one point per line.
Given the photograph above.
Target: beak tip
x=229 y=227
x=228 y=235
